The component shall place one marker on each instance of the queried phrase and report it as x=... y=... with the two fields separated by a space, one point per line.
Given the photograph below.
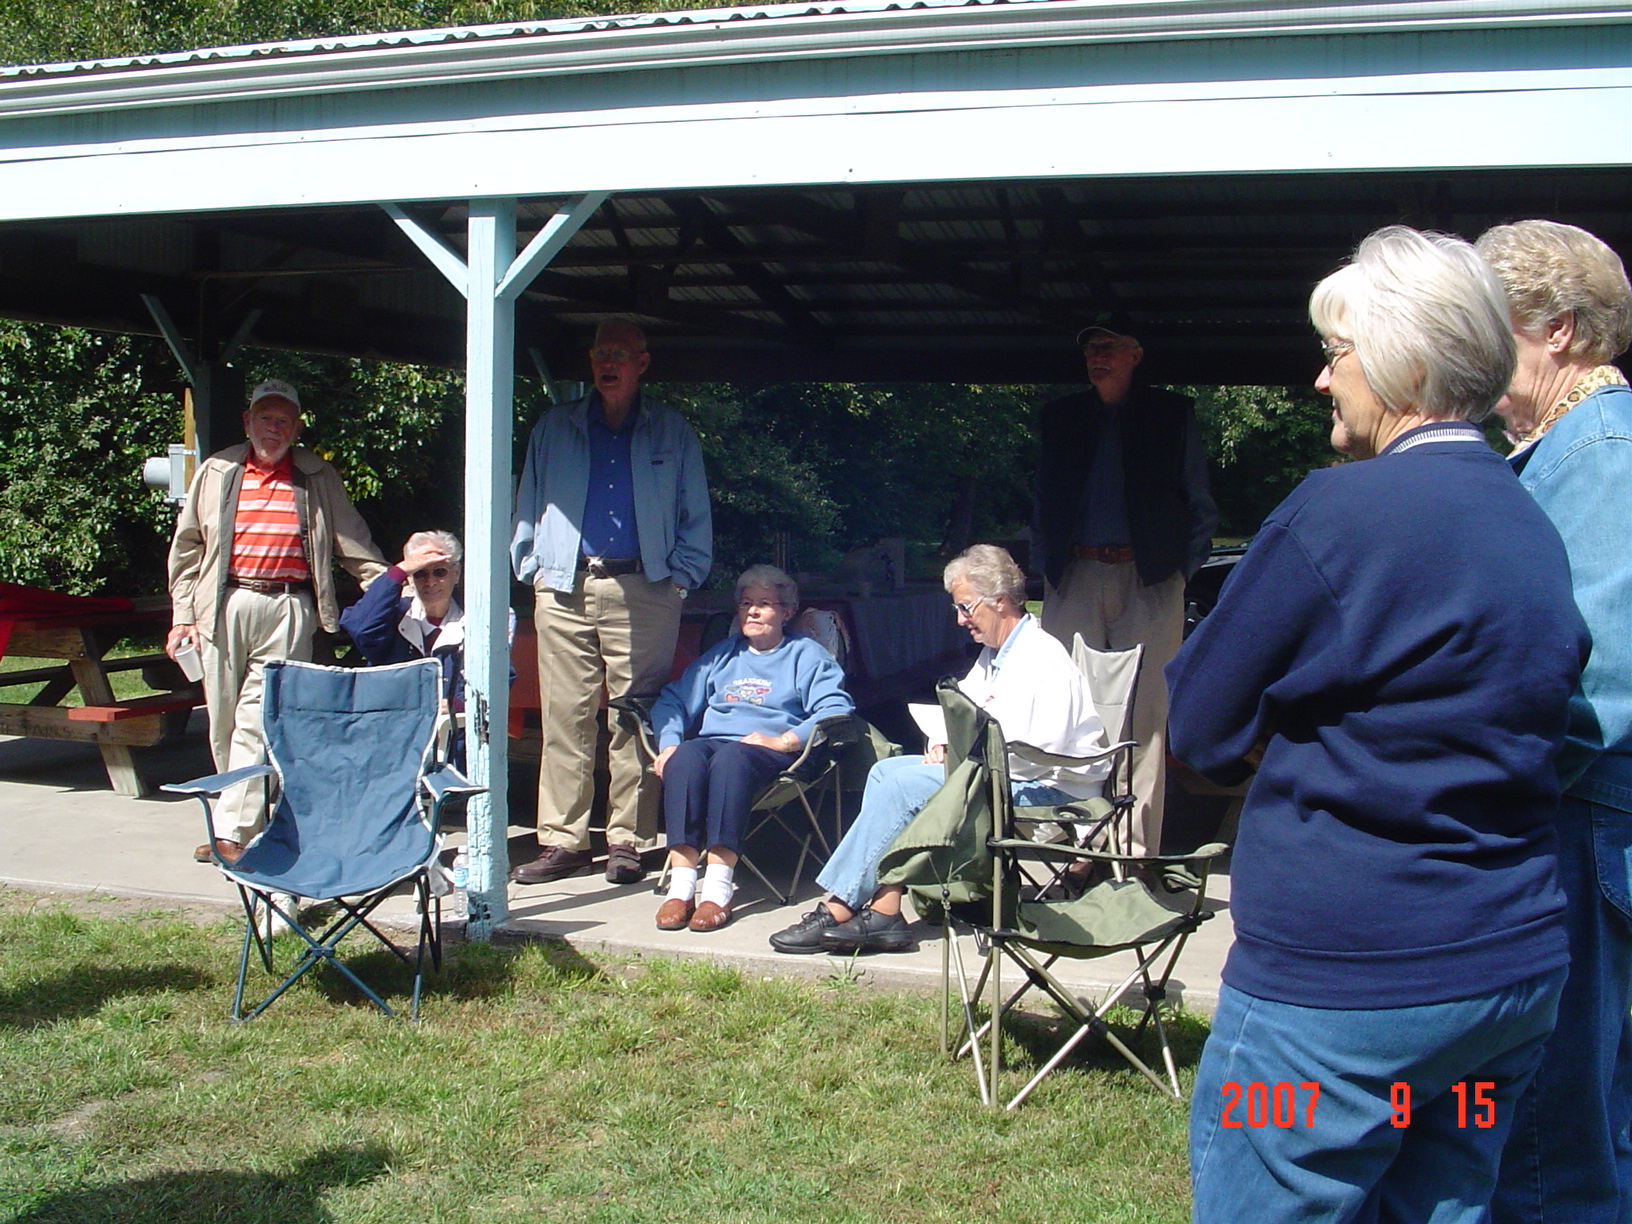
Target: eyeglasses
x=967 y=610
x=439 y=571
x=612 y=356
x=1333 y=349
x=1104 y=348
x=748 y=605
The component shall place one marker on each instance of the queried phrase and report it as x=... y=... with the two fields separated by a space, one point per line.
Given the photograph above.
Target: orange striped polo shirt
x=266 y=531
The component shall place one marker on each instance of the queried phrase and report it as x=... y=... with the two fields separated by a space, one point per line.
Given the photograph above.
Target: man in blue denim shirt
x=1569 y=1156
x=612 y=528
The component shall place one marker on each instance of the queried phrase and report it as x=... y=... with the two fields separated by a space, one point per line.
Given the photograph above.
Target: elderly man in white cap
x=251 y=579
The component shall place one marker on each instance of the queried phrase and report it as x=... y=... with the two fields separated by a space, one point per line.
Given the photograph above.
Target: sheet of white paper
x=931 y=720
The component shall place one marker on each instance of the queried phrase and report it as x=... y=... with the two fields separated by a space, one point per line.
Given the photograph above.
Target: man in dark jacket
x=1123 y=517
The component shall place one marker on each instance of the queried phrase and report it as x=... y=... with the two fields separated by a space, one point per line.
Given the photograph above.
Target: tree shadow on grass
x=211 y=1196
x=83 y=990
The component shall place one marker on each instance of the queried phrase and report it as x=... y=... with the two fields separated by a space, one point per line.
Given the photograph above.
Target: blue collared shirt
x=609 y=505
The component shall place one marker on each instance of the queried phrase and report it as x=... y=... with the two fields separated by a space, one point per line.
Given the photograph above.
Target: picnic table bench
x=81 y=641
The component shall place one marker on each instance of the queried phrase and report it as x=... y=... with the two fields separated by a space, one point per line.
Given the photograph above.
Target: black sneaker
x=869 y=931
x=805 y=936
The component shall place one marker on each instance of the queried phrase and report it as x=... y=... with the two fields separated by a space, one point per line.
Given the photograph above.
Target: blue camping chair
x=356 y=817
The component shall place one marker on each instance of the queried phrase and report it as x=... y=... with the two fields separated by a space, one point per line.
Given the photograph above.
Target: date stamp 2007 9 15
x=1262 y=1104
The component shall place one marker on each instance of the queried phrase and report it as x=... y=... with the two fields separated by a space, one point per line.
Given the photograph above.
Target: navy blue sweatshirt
x=1402 y=634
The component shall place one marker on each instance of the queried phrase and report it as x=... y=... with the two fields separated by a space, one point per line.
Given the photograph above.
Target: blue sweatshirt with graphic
x=732 y=690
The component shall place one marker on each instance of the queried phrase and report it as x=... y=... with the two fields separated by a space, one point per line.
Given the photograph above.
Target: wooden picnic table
x=81 y=641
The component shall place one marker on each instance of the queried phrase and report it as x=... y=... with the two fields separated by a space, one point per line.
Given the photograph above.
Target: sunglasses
x=438 y=571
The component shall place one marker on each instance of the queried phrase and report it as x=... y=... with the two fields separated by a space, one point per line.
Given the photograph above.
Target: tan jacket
x=329 y=526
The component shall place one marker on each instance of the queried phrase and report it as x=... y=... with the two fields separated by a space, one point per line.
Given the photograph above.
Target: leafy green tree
x=79 y=410
x=56 y=31
x=1262 y=442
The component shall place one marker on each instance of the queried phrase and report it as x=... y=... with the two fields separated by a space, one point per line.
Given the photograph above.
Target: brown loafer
x=710 y=917
x=553 y=863
x=230 y=851
x=674 y=913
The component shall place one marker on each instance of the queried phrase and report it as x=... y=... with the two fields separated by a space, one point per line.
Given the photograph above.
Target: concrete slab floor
x=65 y=831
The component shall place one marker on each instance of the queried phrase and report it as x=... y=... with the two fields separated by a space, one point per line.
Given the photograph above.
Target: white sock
x=717 y=886
x=682 y=883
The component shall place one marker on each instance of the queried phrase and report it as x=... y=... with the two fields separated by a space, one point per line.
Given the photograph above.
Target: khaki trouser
x=1108 y=605
x=616 y=634
x=255 y=629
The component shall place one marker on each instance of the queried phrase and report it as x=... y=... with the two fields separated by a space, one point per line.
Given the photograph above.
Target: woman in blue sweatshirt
x=1396 y=653
x=738 y=716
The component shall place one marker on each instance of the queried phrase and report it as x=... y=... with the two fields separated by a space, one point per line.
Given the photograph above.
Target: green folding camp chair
x=966 y=858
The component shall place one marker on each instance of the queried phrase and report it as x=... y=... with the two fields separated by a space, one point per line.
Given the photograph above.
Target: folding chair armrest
x=634 y=715
x=1203 y=854
x=827 y=737
x=214 y=784
x=1037 y=756
x=445 y=781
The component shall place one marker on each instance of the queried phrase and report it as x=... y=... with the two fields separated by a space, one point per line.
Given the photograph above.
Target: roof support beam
x=549 y=242
x=443 y=257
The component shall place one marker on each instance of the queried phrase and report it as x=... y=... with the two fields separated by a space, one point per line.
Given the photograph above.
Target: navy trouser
x=709 y=786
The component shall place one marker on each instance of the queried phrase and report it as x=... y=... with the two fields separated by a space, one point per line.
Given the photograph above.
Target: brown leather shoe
x=674 y=913
x=230 y=851
x=555 y=863
x=710 y=917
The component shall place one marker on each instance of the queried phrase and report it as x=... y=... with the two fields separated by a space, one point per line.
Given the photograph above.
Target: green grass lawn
x=540 y=1086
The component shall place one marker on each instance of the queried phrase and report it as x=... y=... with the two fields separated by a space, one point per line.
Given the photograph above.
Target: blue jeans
x=897 y=787
x=1569 y=1158
x=1338 y=1156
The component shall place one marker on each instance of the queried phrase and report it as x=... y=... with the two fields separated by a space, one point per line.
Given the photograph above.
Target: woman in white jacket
x=1027 y=682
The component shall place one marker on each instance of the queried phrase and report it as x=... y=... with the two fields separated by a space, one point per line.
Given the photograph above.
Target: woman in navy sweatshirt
x=1396 y=654
x=738 y=717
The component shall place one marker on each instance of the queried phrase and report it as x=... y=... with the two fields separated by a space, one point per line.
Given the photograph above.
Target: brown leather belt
x=261 y=587
x=609 y=567
x=1109 y=554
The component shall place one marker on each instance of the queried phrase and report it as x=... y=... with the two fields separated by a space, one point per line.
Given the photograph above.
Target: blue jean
x=709 y=787
x=1569 y=1158
x=1342 y=1158
x=897 y=787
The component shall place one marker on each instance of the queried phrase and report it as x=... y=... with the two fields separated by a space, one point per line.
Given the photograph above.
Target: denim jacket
x=1580 y=472
x=672 y=515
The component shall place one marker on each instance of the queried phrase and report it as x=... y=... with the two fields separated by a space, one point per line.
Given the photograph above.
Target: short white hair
x=1551 y=270
x=990 y=571
x=1428 y=320
x=446 y=540
x=787 y=590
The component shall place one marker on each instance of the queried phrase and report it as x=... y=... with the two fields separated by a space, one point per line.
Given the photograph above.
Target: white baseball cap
x=277 y=387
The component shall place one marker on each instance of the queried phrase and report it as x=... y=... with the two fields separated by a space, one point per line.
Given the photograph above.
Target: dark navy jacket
x=1402 y=635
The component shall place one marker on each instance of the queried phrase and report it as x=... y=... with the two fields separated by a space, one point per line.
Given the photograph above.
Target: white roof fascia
x=733 y=36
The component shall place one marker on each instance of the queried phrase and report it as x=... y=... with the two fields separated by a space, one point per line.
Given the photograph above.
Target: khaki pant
x=616 y=634
x=1112 y=610
x=255 y=629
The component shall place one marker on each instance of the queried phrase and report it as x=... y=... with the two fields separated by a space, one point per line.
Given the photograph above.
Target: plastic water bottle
x=461 y=869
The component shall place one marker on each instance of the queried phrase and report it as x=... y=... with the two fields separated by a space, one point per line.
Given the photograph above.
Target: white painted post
x=489 y=392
